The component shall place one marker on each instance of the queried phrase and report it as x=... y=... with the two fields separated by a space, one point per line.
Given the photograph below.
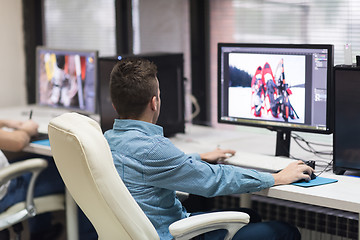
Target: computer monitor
x=281 y=87
x=67 y=79
x=346 y=137
x=170 y=74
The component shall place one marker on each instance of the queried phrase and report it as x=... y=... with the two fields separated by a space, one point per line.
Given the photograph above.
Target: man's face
x=157 y=113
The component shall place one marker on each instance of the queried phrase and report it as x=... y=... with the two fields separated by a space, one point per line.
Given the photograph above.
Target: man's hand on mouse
x=295 y=171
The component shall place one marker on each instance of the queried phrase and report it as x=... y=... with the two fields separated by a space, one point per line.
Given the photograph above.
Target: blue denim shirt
x=152 y=168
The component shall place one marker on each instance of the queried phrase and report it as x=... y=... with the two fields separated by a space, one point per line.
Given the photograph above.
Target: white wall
x=12 y=54
x=164 y=26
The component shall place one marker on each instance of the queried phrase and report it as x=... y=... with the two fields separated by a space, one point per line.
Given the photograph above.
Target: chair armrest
x=190 y=227
x=35 y=166
x=182 y=196
x=19 y=168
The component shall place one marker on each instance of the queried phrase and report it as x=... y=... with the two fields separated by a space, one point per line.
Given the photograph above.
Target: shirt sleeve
x=168 y=167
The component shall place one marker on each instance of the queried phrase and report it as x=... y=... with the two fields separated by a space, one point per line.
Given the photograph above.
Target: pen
x=30 y=116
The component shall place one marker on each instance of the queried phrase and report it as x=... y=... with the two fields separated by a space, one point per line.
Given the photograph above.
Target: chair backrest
x=85 y=163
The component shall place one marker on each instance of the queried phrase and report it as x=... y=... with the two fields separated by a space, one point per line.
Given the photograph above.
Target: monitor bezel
x=69 y=51
x=279 y=126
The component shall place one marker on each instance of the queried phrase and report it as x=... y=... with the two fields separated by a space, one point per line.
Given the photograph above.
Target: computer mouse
x=312 y=176
x=312 y=165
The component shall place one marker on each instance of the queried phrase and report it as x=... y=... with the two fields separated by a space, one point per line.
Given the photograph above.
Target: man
x=152 y=168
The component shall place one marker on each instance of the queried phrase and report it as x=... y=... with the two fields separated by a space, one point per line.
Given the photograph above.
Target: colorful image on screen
x=267 y=86
x=67 y=79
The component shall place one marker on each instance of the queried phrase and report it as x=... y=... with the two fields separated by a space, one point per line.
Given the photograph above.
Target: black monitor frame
x=283 y=128
x=93 y=100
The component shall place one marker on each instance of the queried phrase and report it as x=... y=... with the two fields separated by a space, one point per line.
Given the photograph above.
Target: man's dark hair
x=132 y=85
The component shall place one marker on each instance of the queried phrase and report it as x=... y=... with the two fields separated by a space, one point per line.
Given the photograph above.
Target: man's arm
x=292 y=173
x=176 y=170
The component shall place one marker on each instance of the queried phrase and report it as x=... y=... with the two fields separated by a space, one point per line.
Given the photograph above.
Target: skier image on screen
x=257 y=93
x=277 y=92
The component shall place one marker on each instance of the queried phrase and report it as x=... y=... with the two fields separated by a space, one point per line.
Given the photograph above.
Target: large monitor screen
x=276 y=86
x=346 y=137
x=67 y=79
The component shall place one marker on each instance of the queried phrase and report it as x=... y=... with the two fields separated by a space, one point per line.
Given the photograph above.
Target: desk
x=340 y=195
x=40 y=114
x=261 y=143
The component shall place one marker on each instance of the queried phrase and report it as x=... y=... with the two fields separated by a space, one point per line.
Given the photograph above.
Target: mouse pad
x=315 y=182
x=44 y=142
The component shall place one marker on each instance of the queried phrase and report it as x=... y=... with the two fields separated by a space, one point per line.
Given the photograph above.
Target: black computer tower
x=171 y=80
x=346 y=136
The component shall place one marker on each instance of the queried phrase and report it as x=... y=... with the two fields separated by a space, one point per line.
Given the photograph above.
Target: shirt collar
x=137 y=125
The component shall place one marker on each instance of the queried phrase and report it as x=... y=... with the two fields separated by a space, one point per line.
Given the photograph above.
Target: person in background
x=152 y=168
x=14 y=136
x=18 y=134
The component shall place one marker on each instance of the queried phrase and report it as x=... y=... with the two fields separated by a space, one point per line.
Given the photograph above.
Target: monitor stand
x=283 y=143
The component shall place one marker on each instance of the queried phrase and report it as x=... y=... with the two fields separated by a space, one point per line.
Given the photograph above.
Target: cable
x=320 y=144
x=311 y=149
x=196 y=105
x=320 y=154
x=326 y=168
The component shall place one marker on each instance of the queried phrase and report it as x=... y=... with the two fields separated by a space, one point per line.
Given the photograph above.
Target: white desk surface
x=40 y=114
x=260 y=144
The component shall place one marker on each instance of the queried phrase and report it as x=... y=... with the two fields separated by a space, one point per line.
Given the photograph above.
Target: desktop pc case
x=346 y=136
x=171 y=81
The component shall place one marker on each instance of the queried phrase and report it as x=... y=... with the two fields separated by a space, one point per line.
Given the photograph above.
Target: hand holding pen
x=29 y=126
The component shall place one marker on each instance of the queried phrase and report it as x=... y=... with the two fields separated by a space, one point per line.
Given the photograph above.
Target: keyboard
x=39 y=136
x=258 y=162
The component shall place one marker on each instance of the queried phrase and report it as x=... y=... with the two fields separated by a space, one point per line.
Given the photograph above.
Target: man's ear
x=153 y=103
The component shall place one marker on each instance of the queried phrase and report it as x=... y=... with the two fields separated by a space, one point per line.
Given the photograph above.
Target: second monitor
x=67 y=79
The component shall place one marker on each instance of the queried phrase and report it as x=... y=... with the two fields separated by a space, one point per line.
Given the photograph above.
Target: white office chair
x=85 y=163
x=31 y=206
